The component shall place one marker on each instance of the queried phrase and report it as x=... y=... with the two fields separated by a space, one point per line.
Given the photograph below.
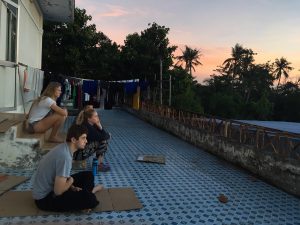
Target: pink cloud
x=114 y=11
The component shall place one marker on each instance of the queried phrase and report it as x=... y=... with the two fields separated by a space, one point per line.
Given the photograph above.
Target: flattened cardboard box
x=20 y=203
x=152 y=159
x=7 y=182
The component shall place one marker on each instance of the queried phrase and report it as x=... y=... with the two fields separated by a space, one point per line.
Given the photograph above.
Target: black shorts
x=29 y=127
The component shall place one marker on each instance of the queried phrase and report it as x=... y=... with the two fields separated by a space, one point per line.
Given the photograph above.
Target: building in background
x=21 y=33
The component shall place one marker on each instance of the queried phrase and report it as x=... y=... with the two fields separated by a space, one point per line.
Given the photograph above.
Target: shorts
x=29 y=127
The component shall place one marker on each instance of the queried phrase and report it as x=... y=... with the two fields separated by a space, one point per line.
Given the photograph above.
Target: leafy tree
x=224 y=105
x=142 y=53
x=261 y=110
x=184 y=91
x=77 y=48
x=258 y=79
x=190 y=57
x=286 y=102
x=220 y=83
x=188 y=101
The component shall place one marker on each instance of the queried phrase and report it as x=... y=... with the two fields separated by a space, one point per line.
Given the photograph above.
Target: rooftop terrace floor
x=183 y=191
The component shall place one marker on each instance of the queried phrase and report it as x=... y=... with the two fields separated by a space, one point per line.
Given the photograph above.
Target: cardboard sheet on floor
x=20 y=203
x=152 y=159
x=7 y=182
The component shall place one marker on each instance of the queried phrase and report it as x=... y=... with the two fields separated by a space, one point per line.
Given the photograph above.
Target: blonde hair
x=49 y=91
x=84 y=115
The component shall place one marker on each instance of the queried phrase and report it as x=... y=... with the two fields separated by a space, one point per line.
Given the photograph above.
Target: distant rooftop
x=279 y=125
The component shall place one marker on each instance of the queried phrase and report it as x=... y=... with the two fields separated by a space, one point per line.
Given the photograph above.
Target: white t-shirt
x=40 y=110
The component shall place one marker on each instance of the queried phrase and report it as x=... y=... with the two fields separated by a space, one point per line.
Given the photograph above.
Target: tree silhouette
x=282 y=67
x=190 y=57
x=239 y=62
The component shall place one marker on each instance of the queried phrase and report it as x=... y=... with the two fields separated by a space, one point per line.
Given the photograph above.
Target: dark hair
x=75 y=131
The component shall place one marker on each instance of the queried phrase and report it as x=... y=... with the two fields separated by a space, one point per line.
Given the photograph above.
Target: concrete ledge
x=18 y=152
x=283 y=173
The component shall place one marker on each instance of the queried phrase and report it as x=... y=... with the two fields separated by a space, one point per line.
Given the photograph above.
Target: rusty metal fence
x=284 y=145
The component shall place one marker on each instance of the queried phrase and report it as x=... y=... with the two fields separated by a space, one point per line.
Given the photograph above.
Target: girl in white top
x=45 y=114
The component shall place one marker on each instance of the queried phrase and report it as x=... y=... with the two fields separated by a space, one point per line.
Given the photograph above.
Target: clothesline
x=124 y=81
x=25 y=65
x=22 y=64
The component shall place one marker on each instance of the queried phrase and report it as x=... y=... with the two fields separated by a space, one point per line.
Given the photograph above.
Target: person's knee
x=59 y=118
x=63 y=118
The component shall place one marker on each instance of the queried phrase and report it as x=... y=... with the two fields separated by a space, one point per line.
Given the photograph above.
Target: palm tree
x=190 y=57
x=232 y=65
x=241 y=59
x=282 y=67
x=238 y=69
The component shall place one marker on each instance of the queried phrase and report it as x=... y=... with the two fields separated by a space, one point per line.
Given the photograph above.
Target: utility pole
x=160 y=85
x=170 y=90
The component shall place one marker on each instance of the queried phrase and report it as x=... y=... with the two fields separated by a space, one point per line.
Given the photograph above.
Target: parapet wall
x=282 y=172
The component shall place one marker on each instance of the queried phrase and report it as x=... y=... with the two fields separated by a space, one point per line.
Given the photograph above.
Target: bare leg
x=56 y=126
x=53 y=121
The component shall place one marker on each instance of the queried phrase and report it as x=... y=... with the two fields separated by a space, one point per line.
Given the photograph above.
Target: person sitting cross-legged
x=54 y=188
x=97 y=138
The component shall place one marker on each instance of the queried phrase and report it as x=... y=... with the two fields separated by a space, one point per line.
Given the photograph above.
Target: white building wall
x=29 y=49
x=30 y=34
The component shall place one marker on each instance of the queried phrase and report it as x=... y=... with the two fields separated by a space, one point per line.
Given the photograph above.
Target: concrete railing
x=272 y=154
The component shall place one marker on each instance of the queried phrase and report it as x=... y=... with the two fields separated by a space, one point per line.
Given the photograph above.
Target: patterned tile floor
x=183 y=191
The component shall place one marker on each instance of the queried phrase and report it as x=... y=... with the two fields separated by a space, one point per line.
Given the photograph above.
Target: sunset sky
x=271 y=28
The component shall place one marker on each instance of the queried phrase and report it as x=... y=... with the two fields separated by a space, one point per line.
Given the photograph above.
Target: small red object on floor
x=222 y=198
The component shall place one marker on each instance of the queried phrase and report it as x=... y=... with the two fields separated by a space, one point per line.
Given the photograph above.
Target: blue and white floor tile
x=183 y=191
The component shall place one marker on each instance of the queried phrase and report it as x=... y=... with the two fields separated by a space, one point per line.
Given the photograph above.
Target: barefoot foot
x=86 y=210
x=97 y=188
